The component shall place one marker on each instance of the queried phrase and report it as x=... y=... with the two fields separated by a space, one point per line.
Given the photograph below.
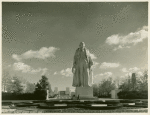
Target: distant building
x=72 y=93
x=56 y=90
x=67 y=91
x=62 y=92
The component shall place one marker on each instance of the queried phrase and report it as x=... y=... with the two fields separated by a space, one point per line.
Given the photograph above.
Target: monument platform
x=99 y=104
x=84 y=93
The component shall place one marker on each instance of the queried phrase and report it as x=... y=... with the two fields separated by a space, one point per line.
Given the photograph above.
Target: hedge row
x=37 y=95
x=133 y=95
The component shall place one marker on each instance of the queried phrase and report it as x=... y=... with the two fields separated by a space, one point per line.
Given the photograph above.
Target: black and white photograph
x=74 y=57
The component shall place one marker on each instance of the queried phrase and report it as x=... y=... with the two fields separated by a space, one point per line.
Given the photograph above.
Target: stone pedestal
x=47 y=96
x=114 y=93
x=84 y=92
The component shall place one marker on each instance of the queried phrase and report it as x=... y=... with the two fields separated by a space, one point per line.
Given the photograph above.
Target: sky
x=41 y=39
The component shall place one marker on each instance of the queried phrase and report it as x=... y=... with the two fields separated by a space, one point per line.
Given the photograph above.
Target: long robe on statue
x=82 y=72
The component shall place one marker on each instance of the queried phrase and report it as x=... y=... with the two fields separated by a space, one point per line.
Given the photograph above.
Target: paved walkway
x=6 y=109
x=65 y=97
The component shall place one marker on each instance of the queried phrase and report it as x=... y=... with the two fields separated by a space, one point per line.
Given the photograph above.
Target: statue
x=82 y=71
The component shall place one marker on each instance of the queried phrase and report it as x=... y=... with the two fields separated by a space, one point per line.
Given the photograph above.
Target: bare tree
x=143 y=81
x=6 y=80
x=106 y=86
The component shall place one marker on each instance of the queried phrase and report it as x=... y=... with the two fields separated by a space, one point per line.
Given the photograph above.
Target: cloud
x=140 y=73
x=21 y=67
x=106 y=74
x=113 y=40
x=131 y=70
x=67 y=72
x=16 y=57
x=44 y=71
x=43 y=53
x=102 y=76
x=55 y=73
x=132 y=38
x=120 y=47
x=124 y=70
x=24 y=68
x=134 y=69
x=93 y=56
x=105 y=65
x=95 y=64
x=129 y=75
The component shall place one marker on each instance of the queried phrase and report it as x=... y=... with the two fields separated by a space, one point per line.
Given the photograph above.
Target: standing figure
x=82 y=72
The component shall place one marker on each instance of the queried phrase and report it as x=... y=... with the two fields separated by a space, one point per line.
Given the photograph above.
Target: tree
x=126 y=86
x=106 y=86
x=15 y=86
x=6 y=80
x=44 y=82
x=143 y=82
x=95 y=89
x=30 y=87
x=42 y=87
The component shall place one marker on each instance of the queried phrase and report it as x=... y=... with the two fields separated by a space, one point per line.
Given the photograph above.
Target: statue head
x=82 y=45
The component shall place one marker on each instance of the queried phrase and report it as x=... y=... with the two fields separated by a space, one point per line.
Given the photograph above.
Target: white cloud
x=105 y=65
x=128 y=74
x=113 y=40
x=134 y=69
x=132 y=38
x=21 y=67
x=43 y=53
x=55 y=73
x=106 y=74
x=67 y=72
x=140 y=73
x=44 y=71
x=35 y=70
x=131 y=70
x=124 y=70
x=93 y=56
x=16 y=57
x=95 y=64
x=120 y=47
x=102 y=76
x=24 y=68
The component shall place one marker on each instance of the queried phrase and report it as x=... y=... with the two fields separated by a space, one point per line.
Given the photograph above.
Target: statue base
x=84 y=92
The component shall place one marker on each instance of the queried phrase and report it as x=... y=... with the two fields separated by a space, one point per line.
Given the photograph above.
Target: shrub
x=37 y=95
x=133 y=95
x=40 y=94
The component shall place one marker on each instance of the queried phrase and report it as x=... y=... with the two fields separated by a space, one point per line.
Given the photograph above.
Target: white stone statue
x=82 y=72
